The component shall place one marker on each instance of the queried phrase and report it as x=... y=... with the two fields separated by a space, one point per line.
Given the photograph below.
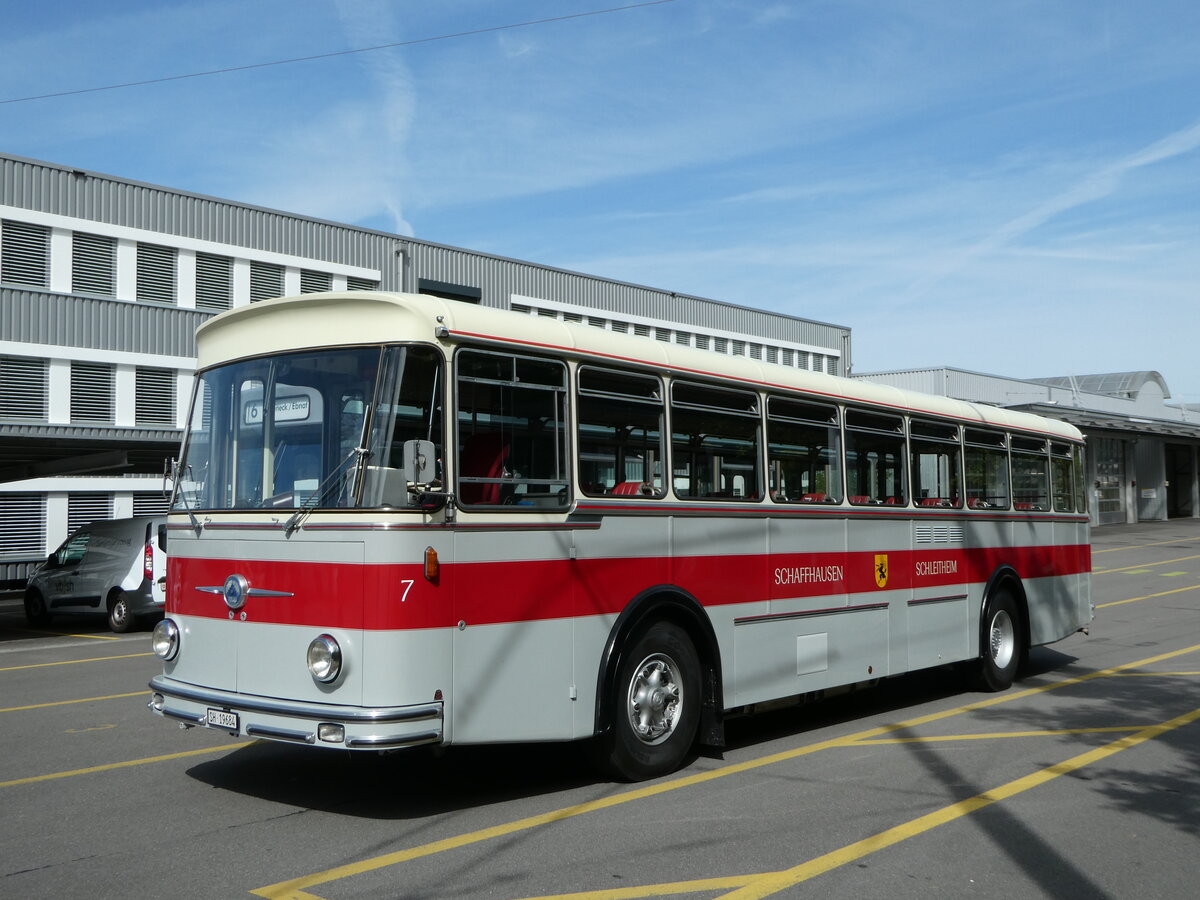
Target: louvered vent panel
x=155 y=273
x=154 y=398
x=93 y=264
x=84 y=508
x=214 y=281
x=266 y=281
x=22 y=524
x=91 y=393
x=150 y=503
x=23 y=388
x=937 y=534
x=620 y=327
x=361 y=284
x=314 y=282
x=25 y=254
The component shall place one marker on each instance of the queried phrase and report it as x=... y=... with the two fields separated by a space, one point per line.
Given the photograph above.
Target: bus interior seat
x=483 y=457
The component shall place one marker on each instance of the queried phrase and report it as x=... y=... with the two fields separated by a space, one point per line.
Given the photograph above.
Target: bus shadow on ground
x=424 y=781
x=407 y=784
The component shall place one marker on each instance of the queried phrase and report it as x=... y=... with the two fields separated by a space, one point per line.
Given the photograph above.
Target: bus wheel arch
x=667 y=630
x=1003 y=631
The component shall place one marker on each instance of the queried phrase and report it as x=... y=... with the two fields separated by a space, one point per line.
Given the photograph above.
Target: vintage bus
x=401 y=520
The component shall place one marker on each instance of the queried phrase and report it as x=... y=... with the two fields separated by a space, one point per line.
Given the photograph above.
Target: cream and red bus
x=400 y=520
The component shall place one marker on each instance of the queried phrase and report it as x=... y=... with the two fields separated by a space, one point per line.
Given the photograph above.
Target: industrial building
x=103 y=282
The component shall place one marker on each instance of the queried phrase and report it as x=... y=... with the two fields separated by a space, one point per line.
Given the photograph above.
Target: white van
x=115 y=566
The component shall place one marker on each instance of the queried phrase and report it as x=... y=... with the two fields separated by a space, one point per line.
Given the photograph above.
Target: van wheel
x=1000 y=648
x=656 y=706
x=120 y=619
x=36 y=613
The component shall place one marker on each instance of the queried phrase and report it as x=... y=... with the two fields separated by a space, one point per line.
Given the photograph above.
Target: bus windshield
x=334 y=436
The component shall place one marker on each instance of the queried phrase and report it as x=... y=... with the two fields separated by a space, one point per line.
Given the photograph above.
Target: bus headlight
x=324 y=658
x=165 y=639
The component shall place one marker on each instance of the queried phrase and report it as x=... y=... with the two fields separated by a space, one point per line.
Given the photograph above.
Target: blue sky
x=1010 y=187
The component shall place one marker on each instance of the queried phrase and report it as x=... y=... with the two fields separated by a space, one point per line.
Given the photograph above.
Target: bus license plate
x=223 y=719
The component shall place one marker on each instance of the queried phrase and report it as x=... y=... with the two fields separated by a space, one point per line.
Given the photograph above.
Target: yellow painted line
x=1159 y=674
x=94 y=637
x=294 y=889
x=71 y=662
x=995 y=735
x=1190 y=587
x=68 y=702
x=1144 y=565
x=108 y=767
x=662 y=890
x=1140 y=546
x=773 y=883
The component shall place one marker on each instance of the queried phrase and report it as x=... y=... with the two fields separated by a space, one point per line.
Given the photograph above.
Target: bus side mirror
x=420 y=462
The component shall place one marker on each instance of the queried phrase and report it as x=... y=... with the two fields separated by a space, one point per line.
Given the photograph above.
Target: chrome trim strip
x=918 y=601
x=282 y=734
x=324 y=713
x=809 y=613
x=252 y=592
x=384 y=741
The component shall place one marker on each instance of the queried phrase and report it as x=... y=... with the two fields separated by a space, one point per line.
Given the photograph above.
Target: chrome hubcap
x=1002 y=639
x=655 y=698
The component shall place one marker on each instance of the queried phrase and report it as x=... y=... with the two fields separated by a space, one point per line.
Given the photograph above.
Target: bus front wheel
x=656 y=707
x=1000 y=650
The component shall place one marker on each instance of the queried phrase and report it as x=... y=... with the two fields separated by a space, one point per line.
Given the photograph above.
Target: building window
x=23 y=388
x=92 y=391
x=84 y=508
x=154 y=397
x=25 y=254
x=361 y=284
x=214 y=282
x=22 y=525
x=266 y=281
x=93 y=264
x=315 y=282
x=155 y=273
x=448 y=291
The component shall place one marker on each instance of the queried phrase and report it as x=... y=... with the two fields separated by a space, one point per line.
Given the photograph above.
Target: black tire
x=120 y=619
x=1001 y=644
x=36 y=613
x=655 y=705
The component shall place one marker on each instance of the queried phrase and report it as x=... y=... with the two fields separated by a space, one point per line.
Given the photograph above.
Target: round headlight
x=324 y=658
x=165 y=640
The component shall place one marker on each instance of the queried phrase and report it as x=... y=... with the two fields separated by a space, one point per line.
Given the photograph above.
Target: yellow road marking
x=294 y=889
x=1191 y=587
x=94 y=637
x=71 y=662
x=67 y=702
x=108 y=767
x=1144 y=565
x=1140 y=546
x=945 y=738
x=767 y=885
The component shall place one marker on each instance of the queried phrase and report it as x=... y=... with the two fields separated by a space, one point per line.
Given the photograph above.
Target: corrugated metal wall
x=41 y=317
x=60 y=190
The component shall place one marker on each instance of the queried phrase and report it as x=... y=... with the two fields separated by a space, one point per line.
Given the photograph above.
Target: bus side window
x=875 y=459
x=715 y=438
x=620 y=436
x=986 y=462
x=511 y=431
x=803 y=452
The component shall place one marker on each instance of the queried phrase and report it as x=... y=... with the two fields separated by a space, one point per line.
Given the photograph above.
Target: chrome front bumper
x=298 y=722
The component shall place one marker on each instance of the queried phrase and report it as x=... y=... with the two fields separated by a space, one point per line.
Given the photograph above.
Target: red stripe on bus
x=397 y=596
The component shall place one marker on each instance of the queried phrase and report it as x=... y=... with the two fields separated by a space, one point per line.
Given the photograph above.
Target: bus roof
x=374 y=317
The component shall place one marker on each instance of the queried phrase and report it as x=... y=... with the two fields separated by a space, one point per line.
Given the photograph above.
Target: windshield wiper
x=176 y=471
x=318 y=495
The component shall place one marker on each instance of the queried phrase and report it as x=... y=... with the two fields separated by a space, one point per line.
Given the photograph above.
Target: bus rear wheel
x=656 y=707
x=1000 y=642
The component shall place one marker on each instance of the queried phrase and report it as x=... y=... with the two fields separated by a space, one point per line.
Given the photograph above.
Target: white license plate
x=223 y=719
